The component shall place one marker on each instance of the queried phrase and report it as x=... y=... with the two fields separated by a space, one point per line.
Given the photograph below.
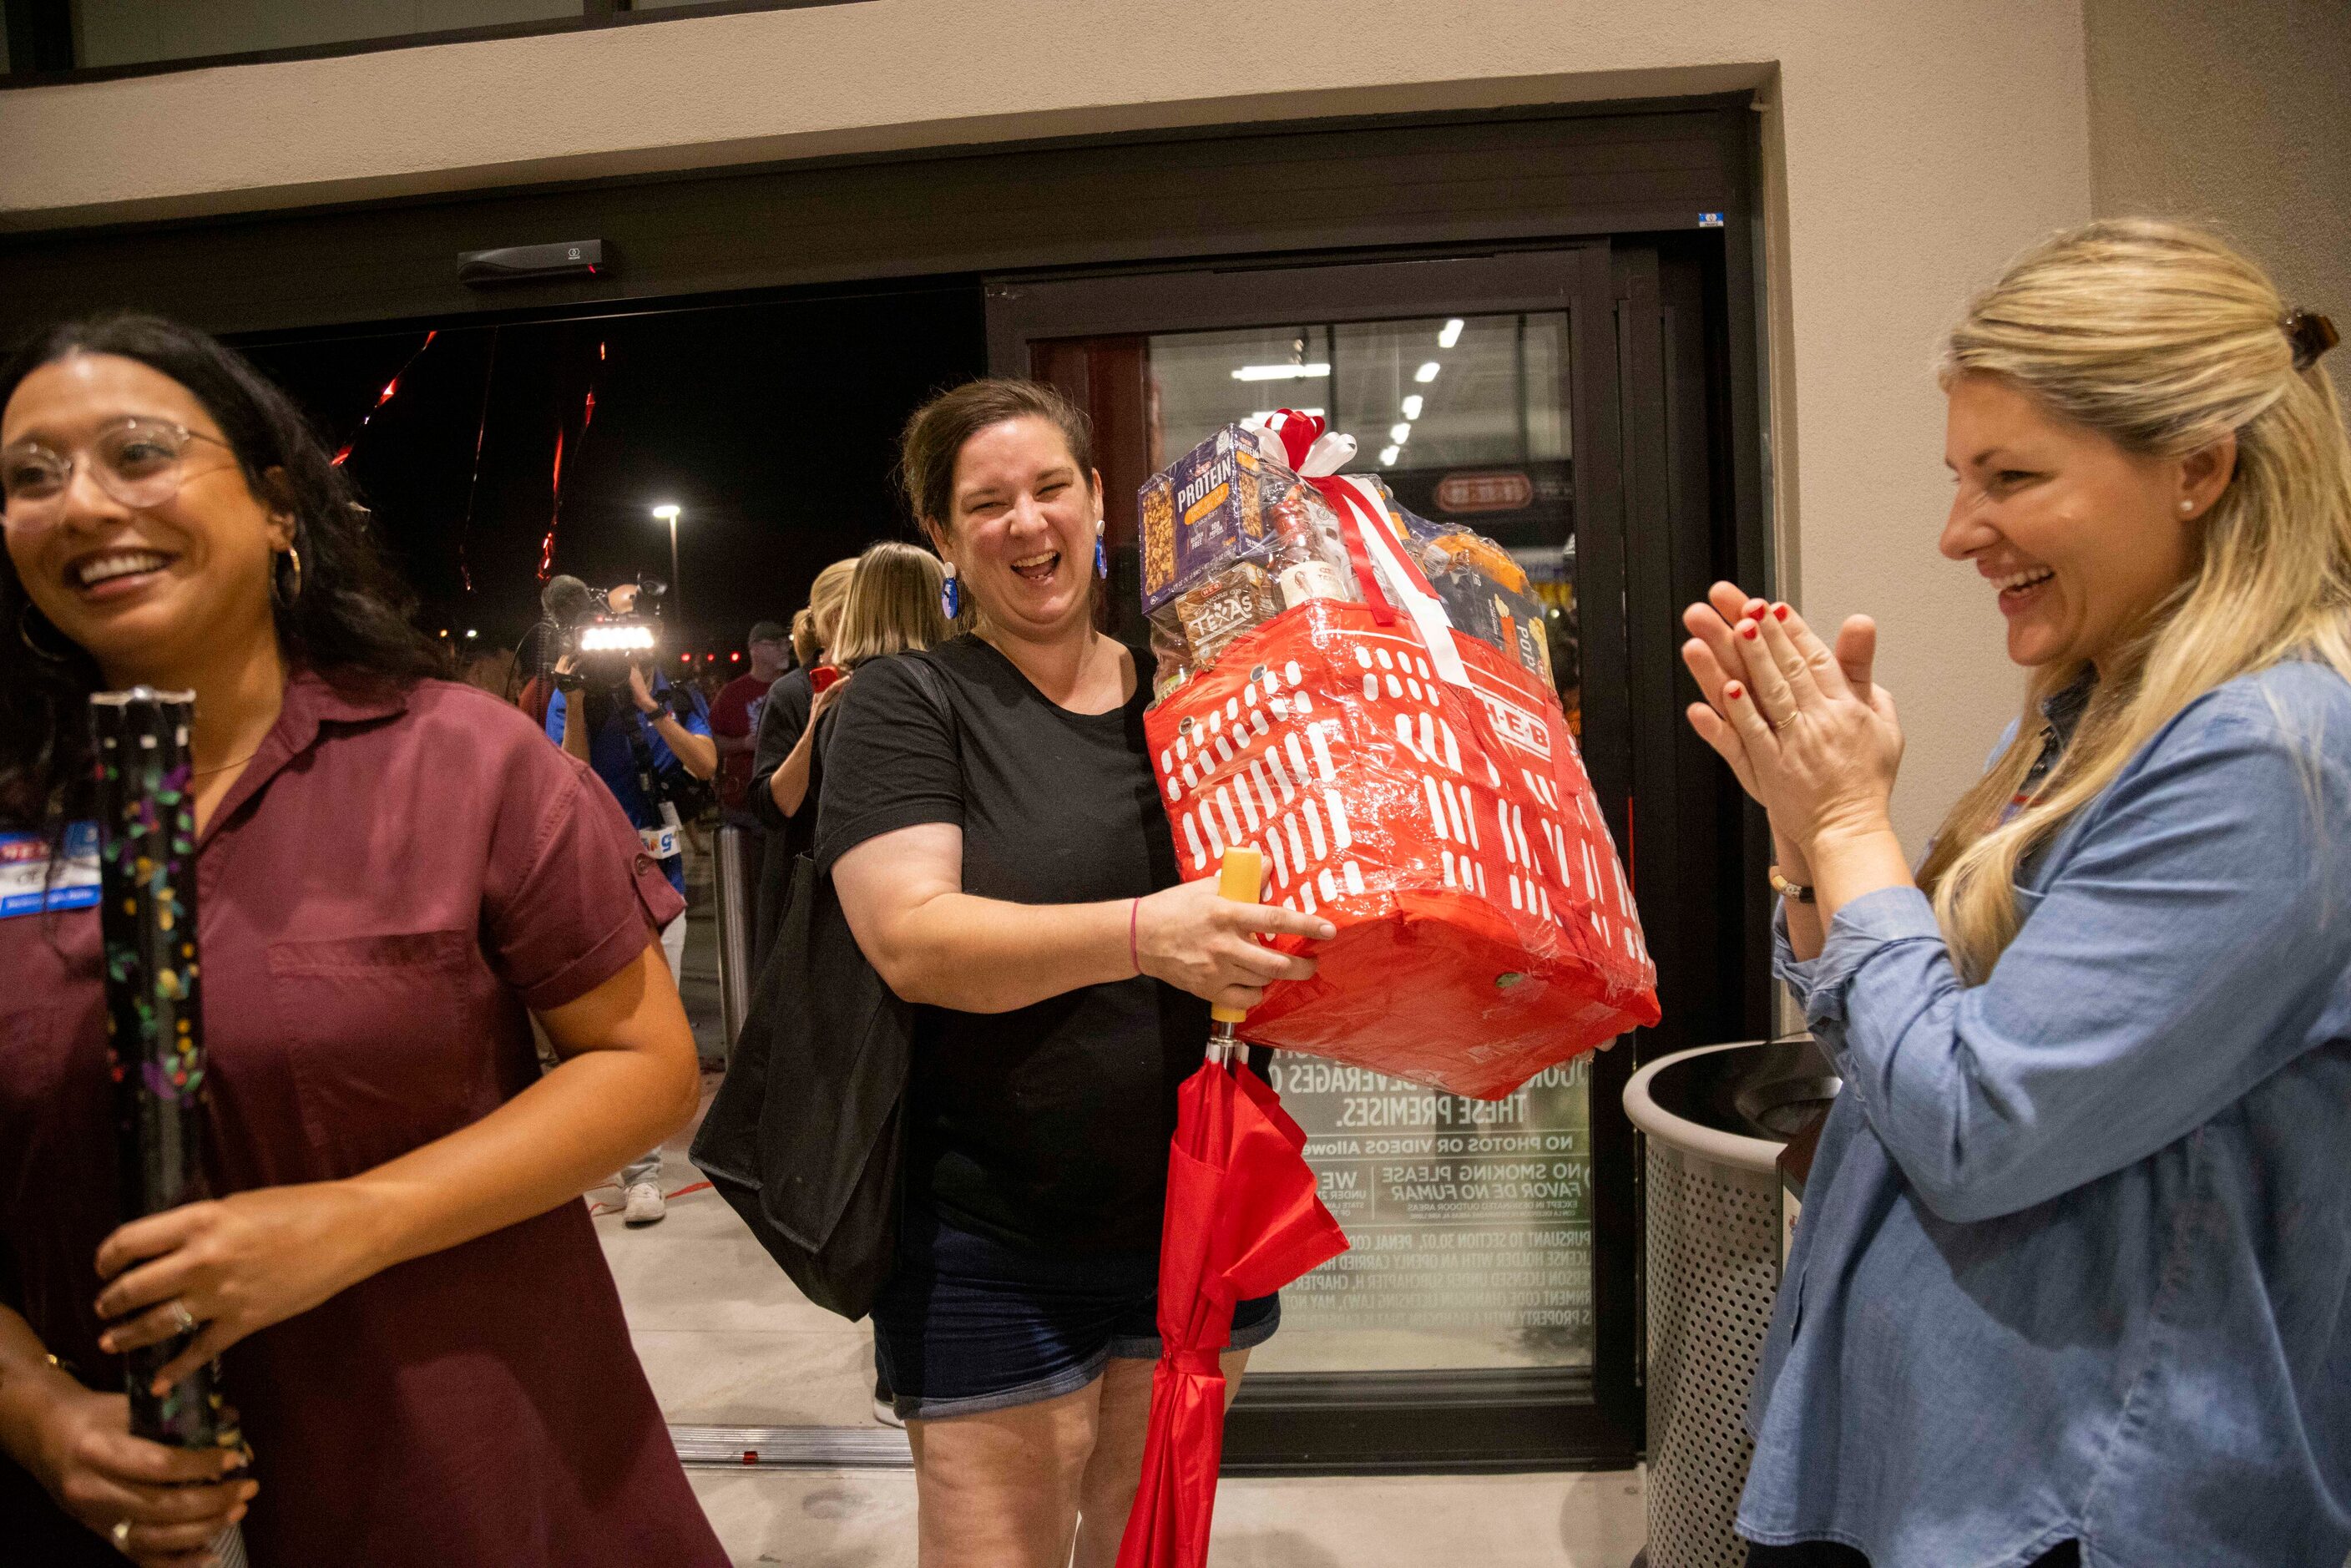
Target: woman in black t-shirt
x=994 y=831
x=782 y=750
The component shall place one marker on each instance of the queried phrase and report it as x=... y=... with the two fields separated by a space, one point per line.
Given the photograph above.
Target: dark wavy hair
x=349 y=623
x=936 y=434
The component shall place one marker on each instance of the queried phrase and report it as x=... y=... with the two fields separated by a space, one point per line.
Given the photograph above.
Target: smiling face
x=1023 y=528
x=2079 y=538
x=149 y=590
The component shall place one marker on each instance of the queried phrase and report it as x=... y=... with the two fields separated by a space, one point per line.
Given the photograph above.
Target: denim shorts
x=968 y=1324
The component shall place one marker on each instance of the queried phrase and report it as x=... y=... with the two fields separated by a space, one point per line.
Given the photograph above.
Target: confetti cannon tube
x=154 y=1015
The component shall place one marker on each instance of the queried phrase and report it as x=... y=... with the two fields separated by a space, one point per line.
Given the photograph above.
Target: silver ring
x=121 y=1534
x=185 y=1318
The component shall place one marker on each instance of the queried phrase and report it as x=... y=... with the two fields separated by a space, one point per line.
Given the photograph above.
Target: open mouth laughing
x=1039 y=567
x=115 y=571
x=2018 y=589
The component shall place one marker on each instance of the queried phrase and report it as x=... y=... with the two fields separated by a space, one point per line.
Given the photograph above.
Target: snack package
x=1415 y=783
x=1223 y=607
x=1231 y=537
x=1484 y=590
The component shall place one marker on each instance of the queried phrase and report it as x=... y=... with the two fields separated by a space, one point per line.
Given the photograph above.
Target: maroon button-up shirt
x=389 y=884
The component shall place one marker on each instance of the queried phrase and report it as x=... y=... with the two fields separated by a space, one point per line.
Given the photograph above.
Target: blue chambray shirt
x=2075 y=1255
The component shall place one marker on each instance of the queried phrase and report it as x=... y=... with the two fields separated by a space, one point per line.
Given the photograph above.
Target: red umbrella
x=1244 y=1218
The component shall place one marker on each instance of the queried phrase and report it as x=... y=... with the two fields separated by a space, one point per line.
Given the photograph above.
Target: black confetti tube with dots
x=154 y=1017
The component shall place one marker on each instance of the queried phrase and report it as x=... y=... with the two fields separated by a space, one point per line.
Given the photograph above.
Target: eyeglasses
x=136 y=461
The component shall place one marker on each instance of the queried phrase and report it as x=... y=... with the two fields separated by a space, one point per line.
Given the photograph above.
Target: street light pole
x=667 y=511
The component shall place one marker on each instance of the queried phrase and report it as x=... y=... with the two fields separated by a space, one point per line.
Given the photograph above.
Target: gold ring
x=121 y=1533
x=186 y=1319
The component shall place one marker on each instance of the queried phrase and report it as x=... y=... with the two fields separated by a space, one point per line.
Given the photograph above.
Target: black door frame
x=1491 y=1420
x=1320 y=187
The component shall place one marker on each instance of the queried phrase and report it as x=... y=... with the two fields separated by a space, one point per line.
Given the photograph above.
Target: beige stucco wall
x=2238 y=116
x=1909 y=148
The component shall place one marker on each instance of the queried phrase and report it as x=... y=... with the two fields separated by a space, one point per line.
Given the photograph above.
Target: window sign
x=1470 y=1222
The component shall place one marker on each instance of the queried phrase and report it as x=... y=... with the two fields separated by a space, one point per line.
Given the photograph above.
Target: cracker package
x=1231 y=537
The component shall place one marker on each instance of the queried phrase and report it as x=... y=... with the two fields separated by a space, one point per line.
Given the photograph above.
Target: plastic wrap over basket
x=1484 y=929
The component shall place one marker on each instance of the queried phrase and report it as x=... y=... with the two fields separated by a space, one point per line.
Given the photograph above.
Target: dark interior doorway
x=491 y=452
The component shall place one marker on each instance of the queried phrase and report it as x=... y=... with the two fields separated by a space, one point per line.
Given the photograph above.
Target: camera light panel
x=615 y=639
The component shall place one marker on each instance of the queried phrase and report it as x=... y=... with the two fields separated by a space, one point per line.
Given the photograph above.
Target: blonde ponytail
x=814 y=626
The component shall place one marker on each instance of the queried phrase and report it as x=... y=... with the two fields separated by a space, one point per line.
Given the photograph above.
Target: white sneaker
x=646 y=1204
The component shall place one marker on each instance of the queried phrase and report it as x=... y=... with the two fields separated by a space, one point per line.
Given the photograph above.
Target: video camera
x=603 y=640
x=606 y=635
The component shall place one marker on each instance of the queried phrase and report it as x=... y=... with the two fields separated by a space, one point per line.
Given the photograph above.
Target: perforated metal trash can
x=1715 y=1223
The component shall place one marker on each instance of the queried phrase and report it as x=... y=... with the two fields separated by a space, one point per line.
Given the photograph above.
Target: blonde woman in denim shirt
x=2073 y=1280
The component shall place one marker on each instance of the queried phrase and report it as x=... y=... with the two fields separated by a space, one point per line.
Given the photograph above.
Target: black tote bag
x=806 y=1136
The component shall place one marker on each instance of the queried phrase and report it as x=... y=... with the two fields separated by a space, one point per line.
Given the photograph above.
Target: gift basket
x=1366 y=697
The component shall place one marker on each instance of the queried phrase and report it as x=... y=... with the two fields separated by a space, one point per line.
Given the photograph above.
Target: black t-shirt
x=782 y=717
x=1045 y=1127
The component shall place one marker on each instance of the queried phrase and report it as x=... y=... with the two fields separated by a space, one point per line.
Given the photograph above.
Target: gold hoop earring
x=25 y=634
x=295 y=592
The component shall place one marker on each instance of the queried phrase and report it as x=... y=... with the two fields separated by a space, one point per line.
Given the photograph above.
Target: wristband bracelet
x=1793 y=891
x=1133 y=913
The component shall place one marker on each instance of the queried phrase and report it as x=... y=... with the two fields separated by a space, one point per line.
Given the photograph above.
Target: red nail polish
x=1779 y=612
x=1755 y=607
x=1731 y=691
x=1746 y=629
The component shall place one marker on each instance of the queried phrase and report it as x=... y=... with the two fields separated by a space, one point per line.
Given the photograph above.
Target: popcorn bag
x=1415 y=785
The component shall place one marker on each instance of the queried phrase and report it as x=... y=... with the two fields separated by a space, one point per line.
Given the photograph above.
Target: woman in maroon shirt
x=414 y=1318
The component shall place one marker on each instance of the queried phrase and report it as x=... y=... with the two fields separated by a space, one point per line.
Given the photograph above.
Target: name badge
x=30 y=882
x=660 y=842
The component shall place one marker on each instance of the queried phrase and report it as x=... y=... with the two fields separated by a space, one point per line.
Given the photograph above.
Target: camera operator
x=642 y=737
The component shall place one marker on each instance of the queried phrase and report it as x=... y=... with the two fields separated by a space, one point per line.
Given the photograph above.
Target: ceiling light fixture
x=1412 y=406
x=1388 y=455
x=1399 y=434
x=1426 y=373
x=1282 y=372
x=1451 y=335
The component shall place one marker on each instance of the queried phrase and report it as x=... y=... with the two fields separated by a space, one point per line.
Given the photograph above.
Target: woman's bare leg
x=1001 y=1489
x=1115 y=1467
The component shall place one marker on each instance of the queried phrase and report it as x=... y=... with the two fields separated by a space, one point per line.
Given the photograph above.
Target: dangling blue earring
x=1101 y=556
x=951 y=596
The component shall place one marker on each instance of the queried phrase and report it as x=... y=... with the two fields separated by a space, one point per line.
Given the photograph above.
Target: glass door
x=1471 y=1222
x=1484 y=1314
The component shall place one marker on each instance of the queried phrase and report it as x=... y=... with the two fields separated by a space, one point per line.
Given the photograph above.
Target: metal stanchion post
x=736 y=881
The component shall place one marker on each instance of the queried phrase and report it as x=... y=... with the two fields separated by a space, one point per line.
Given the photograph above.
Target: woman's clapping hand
x=1809 y=733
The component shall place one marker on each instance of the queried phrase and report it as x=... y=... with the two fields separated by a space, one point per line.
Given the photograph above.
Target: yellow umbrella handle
x=1240 y=880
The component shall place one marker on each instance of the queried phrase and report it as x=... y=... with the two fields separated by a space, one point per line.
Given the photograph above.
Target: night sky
x=773 y=425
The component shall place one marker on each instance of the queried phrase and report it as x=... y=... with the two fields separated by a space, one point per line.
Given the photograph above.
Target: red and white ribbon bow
x=1390 y=578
